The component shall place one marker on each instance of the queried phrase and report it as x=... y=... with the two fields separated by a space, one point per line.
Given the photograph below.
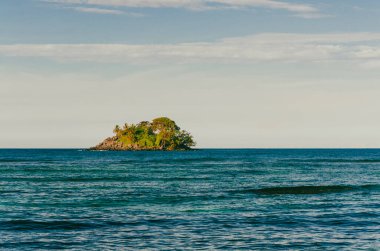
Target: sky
x=235 y=73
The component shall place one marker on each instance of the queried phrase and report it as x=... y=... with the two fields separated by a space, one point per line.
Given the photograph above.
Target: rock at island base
x=112 y=144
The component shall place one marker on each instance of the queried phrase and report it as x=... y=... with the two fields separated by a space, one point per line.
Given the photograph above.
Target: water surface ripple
x=199 y=200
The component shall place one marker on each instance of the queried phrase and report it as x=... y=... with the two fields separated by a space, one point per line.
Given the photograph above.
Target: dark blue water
x=206 y=199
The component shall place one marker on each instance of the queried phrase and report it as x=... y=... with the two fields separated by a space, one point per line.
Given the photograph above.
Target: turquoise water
x=206 y=199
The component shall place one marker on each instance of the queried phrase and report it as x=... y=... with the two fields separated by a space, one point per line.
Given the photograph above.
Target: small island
x=162 y=134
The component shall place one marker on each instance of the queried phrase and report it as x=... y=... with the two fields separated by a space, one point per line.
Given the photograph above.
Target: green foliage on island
x=160 y=134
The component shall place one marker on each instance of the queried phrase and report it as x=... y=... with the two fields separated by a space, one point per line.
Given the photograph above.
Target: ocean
x=210 y=199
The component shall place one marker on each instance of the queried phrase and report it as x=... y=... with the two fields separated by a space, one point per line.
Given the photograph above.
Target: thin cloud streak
x=99 y=11
x=302 y=9
x=276 y=47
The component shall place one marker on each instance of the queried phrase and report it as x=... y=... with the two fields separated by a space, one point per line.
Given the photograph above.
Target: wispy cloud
x=277 y=47
x=312 y=15
x=98 y=11
x=302 y=10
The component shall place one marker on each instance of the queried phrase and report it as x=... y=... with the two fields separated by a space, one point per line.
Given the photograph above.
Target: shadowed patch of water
x=308 y=189
x=22 y=225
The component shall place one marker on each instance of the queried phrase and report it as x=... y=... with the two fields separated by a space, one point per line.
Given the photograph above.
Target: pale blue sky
x=34 y=21
x=236 y=73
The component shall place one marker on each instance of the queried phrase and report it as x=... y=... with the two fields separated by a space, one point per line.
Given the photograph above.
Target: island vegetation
x=161 y=134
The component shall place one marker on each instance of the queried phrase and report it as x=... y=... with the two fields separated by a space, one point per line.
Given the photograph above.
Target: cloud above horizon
x=267 y=47
x=300 y=10
x=98 y=10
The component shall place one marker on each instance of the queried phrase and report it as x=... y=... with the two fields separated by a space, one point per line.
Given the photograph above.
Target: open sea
x=243 y=199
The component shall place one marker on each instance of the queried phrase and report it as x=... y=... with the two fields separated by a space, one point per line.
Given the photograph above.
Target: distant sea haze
x=241 y=199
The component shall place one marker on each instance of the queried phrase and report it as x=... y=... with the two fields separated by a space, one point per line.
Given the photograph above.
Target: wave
x=309 y=189
x=27 y=161
x=330 y=160
x=172 y=161
x=23 y=225
x=11 y=191
x=68 y=179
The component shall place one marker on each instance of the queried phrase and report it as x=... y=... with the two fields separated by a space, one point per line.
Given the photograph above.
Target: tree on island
x=160 y=134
